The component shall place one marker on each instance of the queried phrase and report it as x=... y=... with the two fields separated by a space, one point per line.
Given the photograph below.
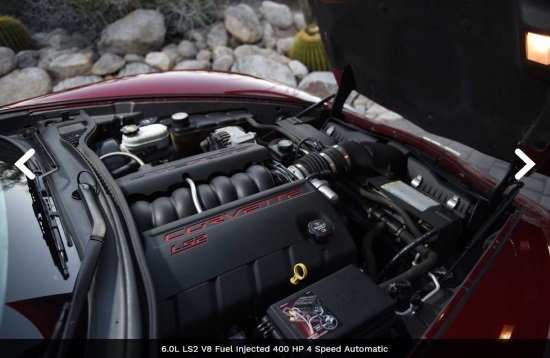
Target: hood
x=457 y=69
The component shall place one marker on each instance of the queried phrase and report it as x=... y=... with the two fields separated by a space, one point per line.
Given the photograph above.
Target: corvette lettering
x=227 y=216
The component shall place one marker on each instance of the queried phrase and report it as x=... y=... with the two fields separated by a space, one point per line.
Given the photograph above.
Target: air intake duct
x=381 y=158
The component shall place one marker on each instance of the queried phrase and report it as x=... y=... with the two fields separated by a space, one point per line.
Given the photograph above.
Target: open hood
x=457 y=69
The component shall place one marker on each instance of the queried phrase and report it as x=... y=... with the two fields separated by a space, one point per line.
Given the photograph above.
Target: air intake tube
x=380 y=158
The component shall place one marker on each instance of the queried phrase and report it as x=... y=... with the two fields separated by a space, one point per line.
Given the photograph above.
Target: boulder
x=269 y=40
x=187 y=49
x=132 y=57
x=298 y=69
x=171 y=51
x=263 y=67
x=135 y=68
x=139 y=32
x=71 y=65
x=27 y=58
x=198 y=37
x=299 y=21
x=108 y=63
x=23 y=84
x=321 y=84
x=48 y=54
x=204 y=55
x=277 y=14
x=76 y=82
x=61 y=40
x=8 y=60
x=283 y=45
x=159 y=60
x=221 y=51
x=242 y=23
x=249 y=50
x=217 y=36
x=192 y=65
x=223 y=63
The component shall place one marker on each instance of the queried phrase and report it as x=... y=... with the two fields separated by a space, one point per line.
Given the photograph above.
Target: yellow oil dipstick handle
x=298 y=276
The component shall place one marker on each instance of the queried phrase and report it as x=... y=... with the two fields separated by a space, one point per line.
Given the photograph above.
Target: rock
x=171 y=51
x=284 y=33
x=139 y=32
x=248 y=50
x=221 y=51
x=278 y=57
x=22 y=84
x=8 y=60
x=61 y=41
x=132 y=57
x=27 y=58
x=76 y=82
x=159 y=60
x=198 y=37
x=268 y=39
x=277 y=14
x=204 y=55
x=107 y=64
x=48 y=54
x=135 y=68
x=351 y=98
x=217 y=36
x=321 y=84
x=263 y=67
x=299 y=21
x=40 y=39
x=187 y=49
x=192 y=65
x=223 y=63
x=71 y=65
x=283 y=45
x=242 y=22
x=362 y=101
x=298 y=69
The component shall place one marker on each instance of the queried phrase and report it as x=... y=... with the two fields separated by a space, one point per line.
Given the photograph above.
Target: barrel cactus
x=308 y=49
x=14 y=34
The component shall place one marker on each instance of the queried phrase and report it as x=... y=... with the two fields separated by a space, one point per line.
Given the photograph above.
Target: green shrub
x=14 y=34
x=85 y=15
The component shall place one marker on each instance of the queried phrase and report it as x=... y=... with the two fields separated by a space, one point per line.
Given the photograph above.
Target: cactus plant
x=308 y=49
x=14 y=34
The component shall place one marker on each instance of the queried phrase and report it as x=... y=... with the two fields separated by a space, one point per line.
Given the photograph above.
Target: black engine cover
x=227 y=262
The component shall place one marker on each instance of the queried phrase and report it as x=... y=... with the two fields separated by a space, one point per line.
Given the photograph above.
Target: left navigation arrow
x=20 y=164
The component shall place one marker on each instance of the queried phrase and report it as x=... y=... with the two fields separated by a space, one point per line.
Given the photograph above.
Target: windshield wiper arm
x=50 y=223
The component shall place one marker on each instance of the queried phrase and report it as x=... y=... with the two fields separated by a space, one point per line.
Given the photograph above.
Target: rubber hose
x=387 y=202
x=430 y=261
x=407 y=249
x=367 y=251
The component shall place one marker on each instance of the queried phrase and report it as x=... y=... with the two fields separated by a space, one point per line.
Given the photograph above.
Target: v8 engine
x=285 y=229
x=213 y=266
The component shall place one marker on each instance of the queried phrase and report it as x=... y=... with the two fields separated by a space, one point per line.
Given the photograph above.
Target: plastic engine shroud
x=225 y=262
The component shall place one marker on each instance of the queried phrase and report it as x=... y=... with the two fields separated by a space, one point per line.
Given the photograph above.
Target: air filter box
x=346 y=304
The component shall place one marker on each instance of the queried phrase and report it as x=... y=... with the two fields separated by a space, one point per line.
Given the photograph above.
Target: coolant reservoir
x=142 y=139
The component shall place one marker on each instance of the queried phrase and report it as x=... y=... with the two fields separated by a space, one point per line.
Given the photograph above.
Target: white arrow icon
x=20 y=164
x=528 y=164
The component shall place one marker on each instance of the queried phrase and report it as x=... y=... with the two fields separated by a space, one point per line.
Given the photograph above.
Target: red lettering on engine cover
x=218 y=219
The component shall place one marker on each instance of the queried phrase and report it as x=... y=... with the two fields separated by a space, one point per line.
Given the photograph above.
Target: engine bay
x=256 y=223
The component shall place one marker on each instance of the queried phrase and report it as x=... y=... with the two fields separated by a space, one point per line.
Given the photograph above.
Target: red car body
x=504 y=296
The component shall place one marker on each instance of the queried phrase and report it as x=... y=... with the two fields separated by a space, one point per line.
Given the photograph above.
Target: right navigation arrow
x=528 y=164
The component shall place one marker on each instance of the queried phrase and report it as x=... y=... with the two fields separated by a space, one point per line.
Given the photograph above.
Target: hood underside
x=455 y=68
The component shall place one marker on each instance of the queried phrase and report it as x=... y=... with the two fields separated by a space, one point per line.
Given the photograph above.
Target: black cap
x=319 y=230
x=284 y=145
